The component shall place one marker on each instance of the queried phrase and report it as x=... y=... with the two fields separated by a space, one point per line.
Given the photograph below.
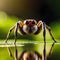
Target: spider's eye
x=33 y=22
x=27 y=22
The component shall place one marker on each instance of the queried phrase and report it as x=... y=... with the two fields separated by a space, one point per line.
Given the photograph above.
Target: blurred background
x=12 y=11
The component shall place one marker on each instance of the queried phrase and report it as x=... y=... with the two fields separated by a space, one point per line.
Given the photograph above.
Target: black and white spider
x=30 y=26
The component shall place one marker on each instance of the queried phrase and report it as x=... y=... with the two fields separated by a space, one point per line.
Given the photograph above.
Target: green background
x=10 y=13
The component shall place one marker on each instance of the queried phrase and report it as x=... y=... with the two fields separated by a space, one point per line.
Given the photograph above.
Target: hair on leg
x=15 y=32
x=8 y=35
x=44 y=35
x=44 y=31
x=49 y=29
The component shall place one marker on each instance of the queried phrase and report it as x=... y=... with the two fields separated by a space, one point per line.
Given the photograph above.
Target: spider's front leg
x=17 y=26
x=44 y=35
x=42 y=25
x=44 y=31
x=8 y=35
x=15 y=32
x=49 y=29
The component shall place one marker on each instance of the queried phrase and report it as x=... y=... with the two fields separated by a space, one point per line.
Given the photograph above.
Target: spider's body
x=30 y=26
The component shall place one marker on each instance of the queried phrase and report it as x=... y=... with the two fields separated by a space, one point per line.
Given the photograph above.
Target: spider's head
x=30 y=22
x=30 y=26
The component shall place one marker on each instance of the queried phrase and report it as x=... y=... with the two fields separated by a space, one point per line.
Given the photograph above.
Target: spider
x=30 y=26
x=30 y=55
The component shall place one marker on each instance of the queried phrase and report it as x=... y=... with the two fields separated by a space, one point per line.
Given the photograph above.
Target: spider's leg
x=44 y=31
x=16 y=53
x=43 y=25
x=44 y=52
x=10 y=53
x=44 y=35
x=17 y=26
x=49 y=29
x=15 y=31
x=51 y=49
x=9 y=33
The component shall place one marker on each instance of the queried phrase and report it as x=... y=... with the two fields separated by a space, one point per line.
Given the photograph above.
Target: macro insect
x=30 y=26
x=30 y=55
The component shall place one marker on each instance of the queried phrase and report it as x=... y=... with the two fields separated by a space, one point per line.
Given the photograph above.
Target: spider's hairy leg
x=44 y=35
x=8 y=35
x=44 y=52
x=15 y=32
x=39 y=24
x=16 y=53
x=44 y=31
x=51 y=49
x=17 y=26
x=49 y=29
x=10 y=53
x=43 y=26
